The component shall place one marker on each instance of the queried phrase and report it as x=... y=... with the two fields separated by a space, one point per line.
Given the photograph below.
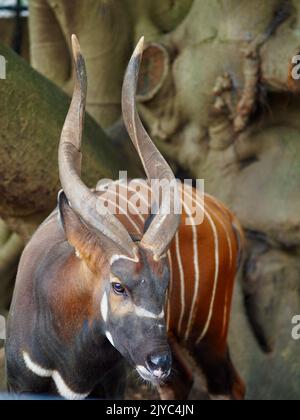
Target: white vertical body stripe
x=170 y=291
x=211 y=215
x=217 y=266
x=225 y=229
x=181 y=275
x=225 y=314
x=227 y=238
x=196 y=270
x=216 y=277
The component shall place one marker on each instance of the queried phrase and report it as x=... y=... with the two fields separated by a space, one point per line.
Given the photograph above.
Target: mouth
x=156 y=377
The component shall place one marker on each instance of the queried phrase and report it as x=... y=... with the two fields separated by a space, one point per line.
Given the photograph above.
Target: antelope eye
x=118 y=289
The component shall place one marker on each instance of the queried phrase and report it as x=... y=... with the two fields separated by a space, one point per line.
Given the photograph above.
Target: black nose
x=160 y=363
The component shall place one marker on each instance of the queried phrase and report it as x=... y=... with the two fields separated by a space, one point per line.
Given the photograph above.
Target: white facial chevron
x=143 y=313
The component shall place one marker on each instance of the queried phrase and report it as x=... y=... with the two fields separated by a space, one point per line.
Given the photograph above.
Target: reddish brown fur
x=214 y=343
x=215 y=340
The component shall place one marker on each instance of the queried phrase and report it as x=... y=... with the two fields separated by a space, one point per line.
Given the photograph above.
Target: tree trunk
x=2 y=372
x=32 y=113
x=11 y=247
x=219 y=99
x=8 y=28
x=104 y=32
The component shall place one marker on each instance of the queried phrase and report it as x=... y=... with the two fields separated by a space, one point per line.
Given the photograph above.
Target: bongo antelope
x=96 y=290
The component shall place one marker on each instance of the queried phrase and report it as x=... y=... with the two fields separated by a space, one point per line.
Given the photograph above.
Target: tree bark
x=32 y=113
x=104 y=31
x=7 y=32
x=228 y=111
x=11 y=247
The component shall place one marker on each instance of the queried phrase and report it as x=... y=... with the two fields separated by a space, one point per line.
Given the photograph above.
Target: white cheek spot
x=62 y=388
x=110 y=339
x=78 y=255
x=158 y=373
x=104 y=307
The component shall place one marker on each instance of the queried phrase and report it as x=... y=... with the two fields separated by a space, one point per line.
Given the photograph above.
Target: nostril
x=160 y=361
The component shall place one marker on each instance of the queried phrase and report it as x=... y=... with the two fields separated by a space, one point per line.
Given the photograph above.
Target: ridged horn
x=164 y=226
x=83 y=201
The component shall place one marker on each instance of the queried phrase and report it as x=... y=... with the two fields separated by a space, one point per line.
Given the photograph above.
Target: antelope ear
x=78 y=234
x=71 y=223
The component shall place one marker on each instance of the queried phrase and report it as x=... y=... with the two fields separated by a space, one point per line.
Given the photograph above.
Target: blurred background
x=217 y=96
